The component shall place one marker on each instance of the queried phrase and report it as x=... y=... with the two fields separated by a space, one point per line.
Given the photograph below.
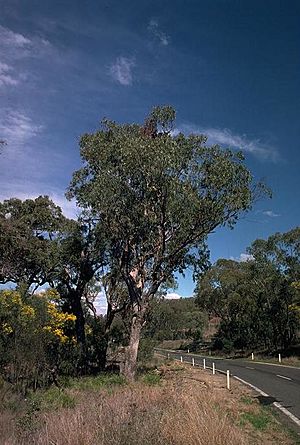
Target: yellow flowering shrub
x=36 y=339
x=57 y=321
x=14 y=313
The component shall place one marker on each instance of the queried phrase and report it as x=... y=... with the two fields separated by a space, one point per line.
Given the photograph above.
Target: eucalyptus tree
x=280 y=255
x=29 y=237
x=157 y=195
x=257 y=301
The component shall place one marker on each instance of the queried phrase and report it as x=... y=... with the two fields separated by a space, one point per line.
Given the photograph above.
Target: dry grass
x=188 y=407
x=288 y=361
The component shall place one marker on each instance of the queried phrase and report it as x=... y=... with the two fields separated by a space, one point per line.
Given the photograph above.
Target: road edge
x=277 y=405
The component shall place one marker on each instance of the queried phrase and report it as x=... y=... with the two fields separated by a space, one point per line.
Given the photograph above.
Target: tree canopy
x=29 y=234
x=258 y=301
x=157 y=196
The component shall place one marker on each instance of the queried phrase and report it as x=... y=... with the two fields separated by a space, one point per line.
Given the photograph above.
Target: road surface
x=281 y=384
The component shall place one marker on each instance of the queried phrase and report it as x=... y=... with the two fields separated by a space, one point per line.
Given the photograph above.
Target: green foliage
x=29 y=421
x=152 y=378
x=260 y=420
x=146 y=349
x=35 y=338
x=174 y=319
x=257 y=301
x=247 y=400
x=29 y=235
x=52 y=398
x=96 y=382
x=156 y=197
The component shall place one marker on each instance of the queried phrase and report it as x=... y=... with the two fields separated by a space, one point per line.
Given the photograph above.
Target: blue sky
x=230 y=68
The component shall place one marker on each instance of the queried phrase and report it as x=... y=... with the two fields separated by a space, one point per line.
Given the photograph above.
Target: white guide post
x=193 y=361
x=188 y=351
x=204 y=365
x=213 y=368
x=252 y=356
x=181 y=359
x=228 y=379
x=168 y=355
x=279 y=358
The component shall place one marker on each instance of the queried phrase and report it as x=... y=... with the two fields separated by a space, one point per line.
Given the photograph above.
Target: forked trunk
x=131 y=353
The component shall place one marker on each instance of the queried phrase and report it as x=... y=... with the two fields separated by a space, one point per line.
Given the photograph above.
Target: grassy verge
x=172 y=404
x=287 y=361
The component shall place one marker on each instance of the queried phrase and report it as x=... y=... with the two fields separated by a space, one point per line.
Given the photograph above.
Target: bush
x=36 y=341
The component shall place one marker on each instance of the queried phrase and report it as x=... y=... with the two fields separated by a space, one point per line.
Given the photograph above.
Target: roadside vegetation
x=257 y=301
x=170 y=404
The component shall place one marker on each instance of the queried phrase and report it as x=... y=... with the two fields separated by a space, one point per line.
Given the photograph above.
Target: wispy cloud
x=6 y=76
x=157 y=33
x=15 y=47
x=11 y=39
x=17 y=129
x=121 y=70
x=227 y=138
x=270 y=213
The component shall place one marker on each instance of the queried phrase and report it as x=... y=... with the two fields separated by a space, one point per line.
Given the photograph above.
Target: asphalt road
x=280 y=383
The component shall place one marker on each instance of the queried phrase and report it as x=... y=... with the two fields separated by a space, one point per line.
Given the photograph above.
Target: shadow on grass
x=266 y=400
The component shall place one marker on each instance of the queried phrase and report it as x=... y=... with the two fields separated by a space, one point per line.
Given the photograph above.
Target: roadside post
x=193 y=361
x=204 y=364
x=279 y=358
x=181 y=359
x=252 y=356
x=228 y=379
x=213 y=368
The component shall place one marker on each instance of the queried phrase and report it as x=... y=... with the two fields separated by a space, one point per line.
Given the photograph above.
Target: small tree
x=157 y=197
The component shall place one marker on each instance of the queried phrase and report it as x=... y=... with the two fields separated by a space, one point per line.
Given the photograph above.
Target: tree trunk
x=131 y=353
x=80 y=319
x=109 y=320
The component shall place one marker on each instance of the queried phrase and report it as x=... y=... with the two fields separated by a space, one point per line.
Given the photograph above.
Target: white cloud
x=100 y=303
x=121 y=70
x=243 y=258
x=155 y=30
x=17 y=129
x=227 y=138
x=173 y=296
x=270 y=213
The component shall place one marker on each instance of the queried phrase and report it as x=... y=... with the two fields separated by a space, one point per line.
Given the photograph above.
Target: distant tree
x=157 y=197
x=174 y=319
x=258 y=300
